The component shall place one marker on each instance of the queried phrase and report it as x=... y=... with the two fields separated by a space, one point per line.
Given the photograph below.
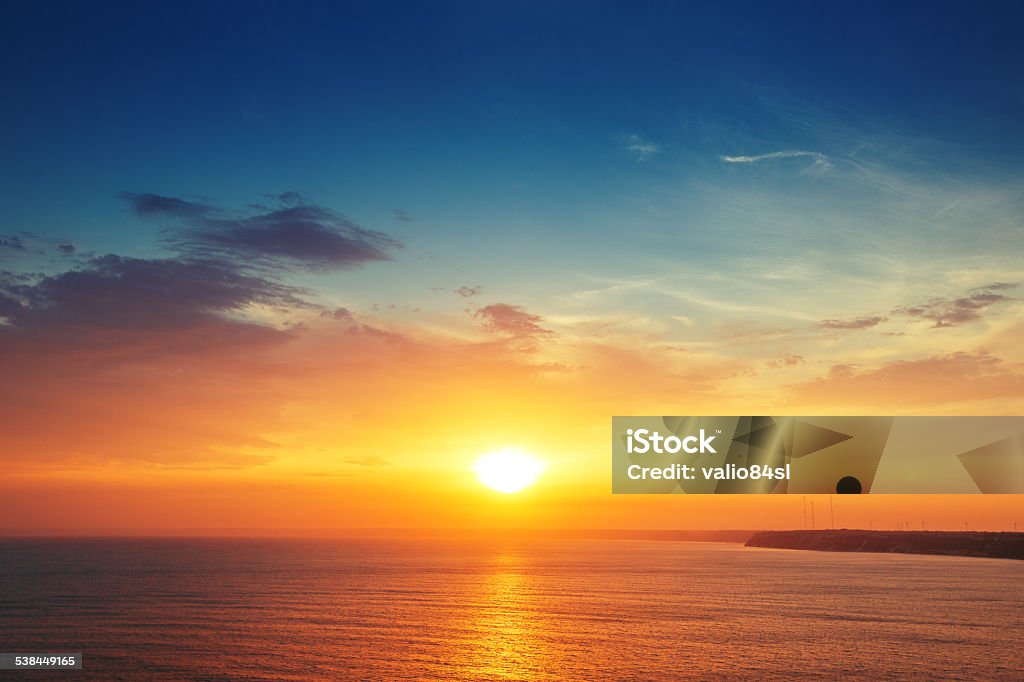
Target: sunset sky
x=300 y=266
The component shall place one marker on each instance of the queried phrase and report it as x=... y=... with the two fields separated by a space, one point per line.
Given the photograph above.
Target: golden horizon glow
x=508 y=470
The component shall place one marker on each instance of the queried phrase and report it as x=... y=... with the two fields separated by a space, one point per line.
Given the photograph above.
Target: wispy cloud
x=469 y=292
x=951 y=378
x=639 y=148
x=942 y=312
x=12 y=242
x=957 y=311
x=295 y=234
x=787 y=360
x=27 y=244
x=339 y=314
x=853 y=324
x=512 y=320
x=820 y=160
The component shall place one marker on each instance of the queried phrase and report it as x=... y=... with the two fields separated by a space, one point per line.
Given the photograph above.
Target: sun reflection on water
x=505 y=623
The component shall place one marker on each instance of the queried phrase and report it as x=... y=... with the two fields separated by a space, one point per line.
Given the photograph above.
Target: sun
x=508 y=470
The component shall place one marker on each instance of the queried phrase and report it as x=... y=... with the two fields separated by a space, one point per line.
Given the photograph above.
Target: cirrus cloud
x=820 y=160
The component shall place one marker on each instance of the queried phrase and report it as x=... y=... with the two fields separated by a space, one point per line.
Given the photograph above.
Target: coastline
x=951 y=543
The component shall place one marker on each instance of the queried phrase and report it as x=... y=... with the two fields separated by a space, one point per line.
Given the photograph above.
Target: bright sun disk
x=508 y=470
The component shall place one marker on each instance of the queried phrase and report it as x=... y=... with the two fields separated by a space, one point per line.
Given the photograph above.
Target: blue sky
x=676 y=161
x=464 y=110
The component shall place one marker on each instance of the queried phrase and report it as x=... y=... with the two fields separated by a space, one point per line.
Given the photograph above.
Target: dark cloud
x=340 y=314
x=853 y=324
x=291 y=198
x=9 y=306
x=467 y=292
x=157 y=205
x=119 y=292
x=27 y=245
x=301 y=235
x=12 y=242
x=295 y=234
x=511 y=320
x=401 y=214
x=956 y=311
x=210 y=283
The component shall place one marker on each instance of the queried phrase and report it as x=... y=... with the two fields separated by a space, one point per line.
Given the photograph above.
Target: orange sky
x=340 y=423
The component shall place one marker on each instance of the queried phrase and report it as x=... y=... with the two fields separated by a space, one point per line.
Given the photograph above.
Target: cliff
x=994 y=545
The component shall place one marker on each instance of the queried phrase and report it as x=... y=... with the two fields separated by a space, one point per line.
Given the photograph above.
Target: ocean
x=301 y=609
